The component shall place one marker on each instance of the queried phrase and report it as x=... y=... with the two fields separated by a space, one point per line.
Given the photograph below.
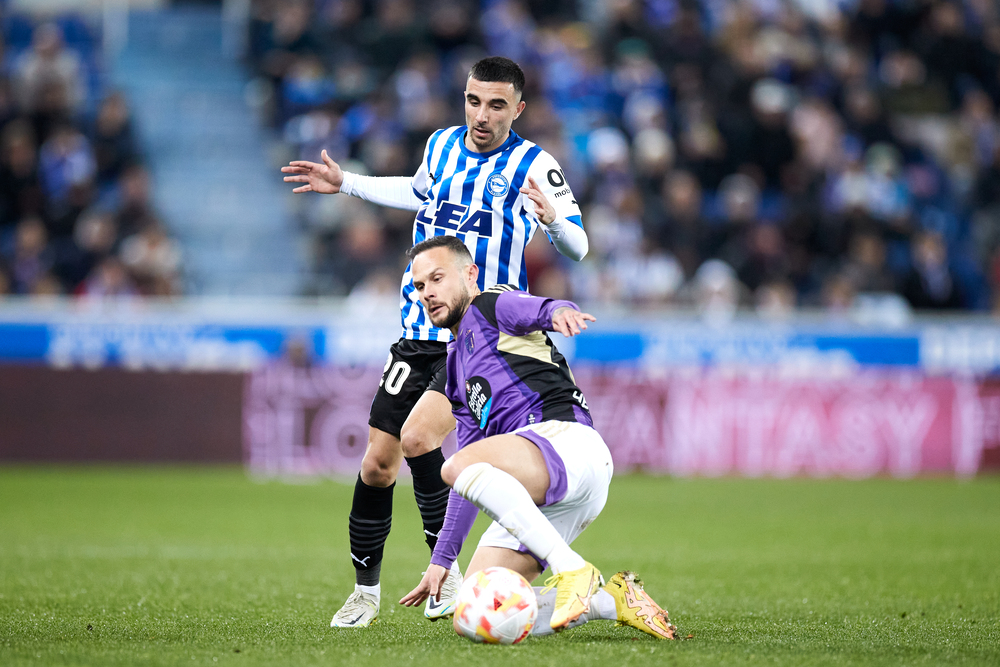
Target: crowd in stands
x=76 y=211
x=771 y=153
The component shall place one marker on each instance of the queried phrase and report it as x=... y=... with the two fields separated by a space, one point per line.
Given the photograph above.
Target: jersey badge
x=470 y=342
x=479 y=398
x=497 y=184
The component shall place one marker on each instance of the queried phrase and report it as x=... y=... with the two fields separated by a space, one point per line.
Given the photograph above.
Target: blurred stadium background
x=793 y=209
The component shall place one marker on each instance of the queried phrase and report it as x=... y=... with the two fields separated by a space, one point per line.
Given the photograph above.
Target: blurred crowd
x=767 y=153
x=76 y=212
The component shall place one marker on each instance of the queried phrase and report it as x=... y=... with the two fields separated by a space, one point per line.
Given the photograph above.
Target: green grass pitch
x=204 y=566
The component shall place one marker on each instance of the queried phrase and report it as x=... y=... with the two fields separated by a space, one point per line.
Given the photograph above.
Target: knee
x=416 y=441
x=450 y=471
x=378 y=471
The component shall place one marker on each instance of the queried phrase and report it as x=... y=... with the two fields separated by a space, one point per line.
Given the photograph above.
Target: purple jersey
x=504 y=374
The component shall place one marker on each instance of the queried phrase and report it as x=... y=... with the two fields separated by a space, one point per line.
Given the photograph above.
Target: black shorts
x=414 y=366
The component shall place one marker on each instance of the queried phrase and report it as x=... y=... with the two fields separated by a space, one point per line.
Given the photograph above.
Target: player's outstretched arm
x=428 y=586
x=570 y=322
x=519 y=313
x=324 y=178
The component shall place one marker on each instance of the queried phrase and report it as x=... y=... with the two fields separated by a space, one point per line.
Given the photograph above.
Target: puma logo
x=361 y=560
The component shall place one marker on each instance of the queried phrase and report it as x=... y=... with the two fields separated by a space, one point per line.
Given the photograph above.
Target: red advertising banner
x=112 y=415
x=989 y=403
x=709 y=423
x=698 y=422
x=309 y=421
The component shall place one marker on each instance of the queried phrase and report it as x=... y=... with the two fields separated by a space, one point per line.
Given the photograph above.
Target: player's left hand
x=428 y=586
x=570 y=322
x=544 y=211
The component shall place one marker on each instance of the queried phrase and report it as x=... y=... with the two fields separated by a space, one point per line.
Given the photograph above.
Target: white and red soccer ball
x=495 y=606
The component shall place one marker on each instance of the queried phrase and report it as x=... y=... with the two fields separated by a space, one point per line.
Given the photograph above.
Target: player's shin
x=508 y=503
x=430 y=492
x=369 y=524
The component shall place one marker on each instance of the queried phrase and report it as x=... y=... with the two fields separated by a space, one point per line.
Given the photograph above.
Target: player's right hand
x=324 y=178
x=570 y=322
x=428 y=586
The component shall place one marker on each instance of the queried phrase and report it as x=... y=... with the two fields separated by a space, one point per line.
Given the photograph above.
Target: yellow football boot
x=636 y=608
x=573 y=592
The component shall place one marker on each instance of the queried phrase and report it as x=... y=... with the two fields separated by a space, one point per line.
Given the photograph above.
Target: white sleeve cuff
x=568 y=238
x=347 y=187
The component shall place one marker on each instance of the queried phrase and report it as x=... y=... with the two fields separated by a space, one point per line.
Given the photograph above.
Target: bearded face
x=446 y=314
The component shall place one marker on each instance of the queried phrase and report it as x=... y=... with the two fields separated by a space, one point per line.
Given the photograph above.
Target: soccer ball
x=495 y=606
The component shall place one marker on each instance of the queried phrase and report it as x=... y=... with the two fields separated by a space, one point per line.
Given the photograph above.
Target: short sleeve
x=552 y=181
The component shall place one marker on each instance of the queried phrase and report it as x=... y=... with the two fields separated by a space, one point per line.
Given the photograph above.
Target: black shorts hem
x=438 y=381
x=385 y=425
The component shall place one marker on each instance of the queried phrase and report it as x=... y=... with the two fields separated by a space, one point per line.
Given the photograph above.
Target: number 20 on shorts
x=394 y=377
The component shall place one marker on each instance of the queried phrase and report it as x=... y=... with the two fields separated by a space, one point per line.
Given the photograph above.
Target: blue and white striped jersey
x=476 y=197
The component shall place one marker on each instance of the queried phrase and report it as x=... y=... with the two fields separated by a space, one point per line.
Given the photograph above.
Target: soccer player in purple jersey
x=529 y=456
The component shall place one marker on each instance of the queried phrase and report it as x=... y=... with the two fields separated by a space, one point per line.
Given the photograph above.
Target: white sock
x=602 y=608
x=563 y=559
x=375 y=590
x=506 y=501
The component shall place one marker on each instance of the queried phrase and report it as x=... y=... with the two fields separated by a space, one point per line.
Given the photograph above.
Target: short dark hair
x=498 y=68
x=453 y=243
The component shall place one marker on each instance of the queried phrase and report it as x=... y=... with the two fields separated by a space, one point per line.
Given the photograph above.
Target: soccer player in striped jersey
x=492 y=189
x=528 y=454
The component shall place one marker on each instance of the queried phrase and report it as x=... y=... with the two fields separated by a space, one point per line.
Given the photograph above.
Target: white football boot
x=360 y=611
x=435 y=609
